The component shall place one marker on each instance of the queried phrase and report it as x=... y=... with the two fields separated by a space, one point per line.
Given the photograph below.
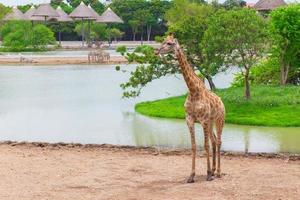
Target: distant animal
x=98 y=56
x=25 y=60
x=202 y=106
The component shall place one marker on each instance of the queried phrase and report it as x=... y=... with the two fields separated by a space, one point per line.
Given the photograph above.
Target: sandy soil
x=60 y=172
x=58 y=61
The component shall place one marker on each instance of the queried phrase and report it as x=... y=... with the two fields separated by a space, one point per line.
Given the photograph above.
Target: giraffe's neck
x=193 y=82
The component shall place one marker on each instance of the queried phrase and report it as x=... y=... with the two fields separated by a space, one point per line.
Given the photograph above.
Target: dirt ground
x=60 y=172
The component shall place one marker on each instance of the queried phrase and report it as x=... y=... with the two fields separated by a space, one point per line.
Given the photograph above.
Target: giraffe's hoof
x=209 y=178
x=218 y=175
x=191 y=179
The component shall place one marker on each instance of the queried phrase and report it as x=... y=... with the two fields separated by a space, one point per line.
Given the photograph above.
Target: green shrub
x=19 y=36
x=16 y=35
x=266 y=72
x=42 y=36
x=159 y=39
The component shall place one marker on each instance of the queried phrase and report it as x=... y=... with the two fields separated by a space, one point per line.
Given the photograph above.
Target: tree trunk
x=149 y=27
x=142 y=35
x=284 y=71
x=59 y=38
x=211 y=83
x=247 y=85
x=134 y=36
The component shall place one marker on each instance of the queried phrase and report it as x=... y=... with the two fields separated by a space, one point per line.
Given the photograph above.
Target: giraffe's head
x=168 y=45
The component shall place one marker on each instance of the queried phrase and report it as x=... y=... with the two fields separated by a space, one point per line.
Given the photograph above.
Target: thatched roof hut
x=109 y=16
x=15 y=14
x=63 y=17
x=84 y=12
x=267 y=5
x=29 y=14
x=46 y=11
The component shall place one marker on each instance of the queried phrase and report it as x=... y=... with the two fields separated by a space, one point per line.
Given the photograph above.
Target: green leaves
x=150 y=67
x=284 y=31
x=19 y=35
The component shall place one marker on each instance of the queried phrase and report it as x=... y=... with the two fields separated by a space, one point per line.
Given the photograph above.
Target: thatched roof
x=95 y=13
x=84 y=12
x=45 y=10
x=15 y=14
x=29 y=14
x=109 y=16
x=268 y=4
x=63 y=17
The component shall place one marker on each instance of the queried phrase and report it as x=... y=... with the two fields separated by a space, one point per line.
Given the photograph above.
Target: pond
x=83 y=104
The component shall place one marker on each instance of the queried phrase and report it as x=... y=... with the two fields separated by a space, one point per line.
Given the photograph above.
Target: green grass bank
x=269 y=106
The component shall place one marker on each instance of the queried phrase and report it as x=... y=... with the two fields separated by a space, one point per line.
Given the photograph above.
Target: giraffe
x=201 y=106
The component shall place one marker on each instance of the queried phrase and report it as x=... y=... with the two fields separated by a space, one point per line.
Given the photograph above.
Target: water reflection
x=174 y=133
x=84 y=104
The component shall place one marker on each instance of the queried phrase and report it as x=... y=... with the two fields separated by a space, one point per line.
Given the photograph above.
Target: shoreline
x=41 y=61
x=148 y=150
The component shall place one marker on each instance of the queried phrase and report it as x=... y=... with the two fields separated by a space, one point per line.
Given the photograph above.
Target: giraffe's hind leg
x=213 y=140
x=219 y=127
x=206 y=130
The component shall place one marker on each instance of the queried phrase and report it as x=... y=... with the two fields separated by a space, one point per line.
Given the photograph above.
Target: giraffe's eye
x=169 y=43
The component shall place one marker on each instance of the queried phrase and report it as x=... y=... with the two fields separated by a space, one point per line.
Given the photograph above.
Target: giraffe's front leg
x=191 y=126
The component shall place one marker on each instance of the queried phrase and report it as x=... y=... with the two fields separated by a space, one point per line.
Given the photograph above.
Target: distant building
x=265 y=6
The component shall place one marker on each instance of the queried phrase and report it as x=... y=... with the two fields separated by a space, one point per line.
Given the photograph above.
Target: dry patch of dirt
x=36 y=172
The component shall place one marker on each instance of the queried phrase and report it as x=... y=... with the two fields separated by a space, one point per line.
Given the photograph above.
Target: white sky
x=22 y=2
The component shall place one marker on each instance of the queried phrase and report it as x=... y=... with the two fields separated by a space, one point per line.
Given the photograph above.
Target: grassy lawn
x=269 y=106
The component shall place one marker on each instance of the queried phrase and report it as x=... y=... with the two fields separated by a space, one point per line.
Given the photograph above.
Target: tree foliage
x=285 y=33
x=236 y=38
x=150 y=67
x=229 y=4
x=3 y=11
x=189 y=21
x=142 y=16
x=19 y=35
x=115 y=33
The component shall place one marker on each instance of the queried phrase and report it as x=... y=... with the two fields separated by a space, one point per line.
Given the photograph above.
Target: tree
x=188 y=21
x=229 y=4
x=150 y=21
x=42 y=36
x=284 y=30
x=236 y=38
x=116 y=33
x=16 y=34
x=133 y=12
x=95 y=4
x=150 y=67
x=3 y=11
x=82 y=30
x=19 y=35
x=24 y=8
x=134 y=24
x=100 y=30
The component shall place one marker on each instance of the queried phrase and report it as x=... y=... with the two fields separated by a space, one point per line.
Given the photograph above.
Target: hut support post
x=89 y=34
x=82 y=32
